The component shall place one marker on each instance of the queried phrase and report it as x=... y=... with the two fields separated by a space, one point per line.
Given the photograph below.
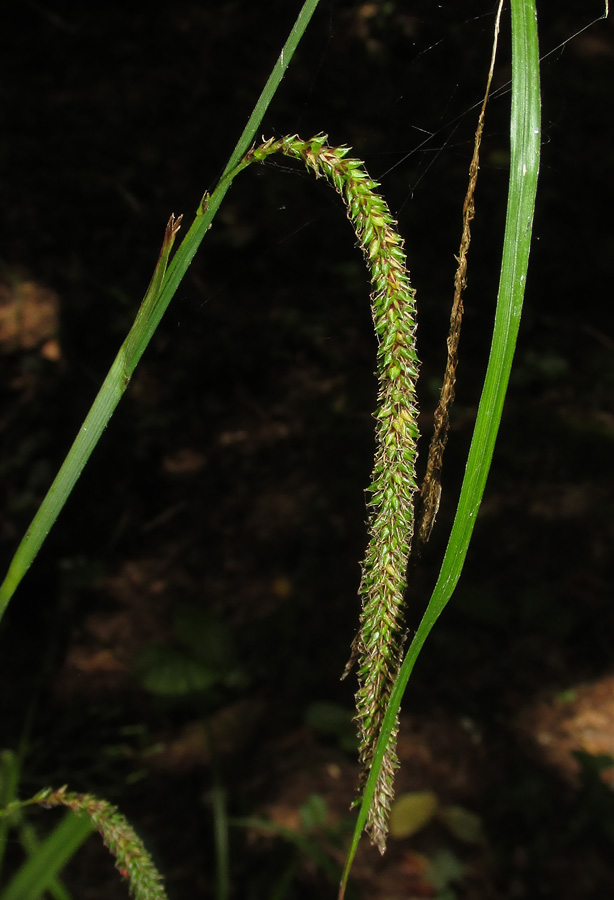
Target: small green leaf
x=463 y=824
x=205 y=635
x=444 y=869
x=410 y=813
x=172 y=673
x=313 y=812
x=40 y=870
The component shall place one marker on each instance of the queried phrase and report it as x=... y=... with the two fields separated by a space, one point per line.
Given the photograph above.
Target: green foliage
x=445 y=869
x=160 y=292
x=416 y=811
x=463 y=824
x=411 y=812
x=203 y=657
x=45 y=858
x=524 y=168
x=382 y=674
x=312 y=840
x=87 y=813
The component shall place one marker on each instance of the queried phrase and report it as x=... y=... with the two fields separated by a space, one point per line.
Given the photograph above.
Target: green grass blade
x=162 y=288
x=210 y=205
x=270 y=88
x=524 y=167
x=38 y=872
x=30 y=842
x=89 y=434
x=9 y=779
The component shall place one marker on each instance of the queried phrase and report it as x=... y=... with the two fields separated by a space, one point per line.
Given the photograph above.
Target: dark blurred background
x=197 y=597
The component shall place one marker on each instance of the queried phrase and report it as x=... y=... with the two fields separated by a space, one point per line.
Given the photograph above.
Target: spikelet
x=131 y=858
x=377 y=648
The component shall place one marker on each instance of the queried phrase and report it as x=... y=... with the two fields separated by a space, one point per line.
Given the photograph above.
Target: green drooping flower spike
x=131 y=858
x=378 y=644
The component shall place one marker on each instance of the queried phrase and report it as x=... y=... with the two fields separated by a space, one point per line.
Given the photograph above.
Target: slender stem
x=524 y=169
x=161 y=290
x=268 y=92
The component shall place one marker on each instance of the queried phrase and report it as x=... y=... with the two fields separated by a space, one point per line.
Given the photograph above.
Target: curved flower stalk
x=378 y=644
x=377 y=647
x=131 y=858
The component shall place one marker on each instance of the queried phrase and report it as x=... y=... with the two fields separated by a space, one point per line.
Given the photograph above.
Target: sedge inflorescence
x=131 y=858
x=377 y=648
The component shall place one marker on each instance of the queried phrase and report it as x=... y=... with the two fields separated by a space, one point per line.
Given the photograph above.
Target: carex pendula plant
x=377 y=651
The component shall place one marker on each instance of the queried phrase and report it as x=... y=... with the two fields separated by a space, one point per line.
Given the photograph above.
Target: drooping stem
x=378 y=644
x=131 y=858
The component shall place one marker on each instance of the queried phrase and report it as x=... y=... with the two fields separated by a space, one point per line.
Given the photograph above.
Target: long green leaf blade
x=9 y=779
x=161 y=291
x=524 y=169
x=30 y=842
x=38 y=872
